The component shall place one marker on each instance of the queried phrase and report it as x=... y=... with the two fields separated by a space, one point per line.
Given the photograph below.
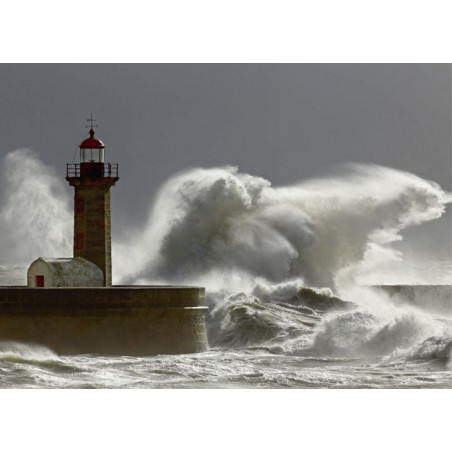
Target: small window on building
x=39 y=280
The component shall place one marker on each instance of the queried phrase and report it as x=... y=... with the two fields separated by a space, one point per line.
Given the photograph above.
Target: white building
x=64 y=272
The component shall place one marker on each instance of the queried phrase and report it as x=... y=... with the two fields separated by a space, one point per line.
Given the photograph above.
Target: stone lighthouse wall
x=92 y=222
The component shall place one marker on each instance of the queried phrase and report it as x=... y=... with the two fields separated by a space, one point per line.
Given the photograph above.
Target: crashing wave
x=269 y=316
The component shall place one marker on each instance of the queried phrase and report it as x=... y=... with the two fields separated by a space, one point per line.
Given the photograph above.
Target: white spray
x=220 y=227
x=35 y=213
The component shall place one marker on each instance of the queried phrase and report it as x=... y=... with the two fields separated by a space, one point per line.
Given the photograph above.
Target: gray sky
x=282 y=122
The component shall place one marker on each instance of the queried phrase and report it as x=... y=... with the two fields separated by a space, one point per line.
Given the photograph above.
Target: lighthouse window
x=92 y=155
x=85 y=155
x=95 y=155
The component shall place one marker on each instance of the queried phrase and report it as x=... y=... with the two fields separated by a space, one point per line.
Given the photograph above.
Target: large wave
x=223 y=228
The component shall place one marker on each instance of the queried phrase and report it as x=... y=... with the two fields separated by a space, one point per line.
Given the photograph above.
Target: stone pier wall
x=133 y=320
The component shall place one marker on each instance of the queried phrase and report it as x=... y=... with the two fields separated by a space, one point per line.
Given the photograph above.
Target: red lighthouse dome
x=92 y=142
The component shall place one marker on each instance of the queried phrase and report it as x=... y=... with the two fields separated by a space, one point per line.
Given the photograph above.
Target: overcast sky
x=283 y=122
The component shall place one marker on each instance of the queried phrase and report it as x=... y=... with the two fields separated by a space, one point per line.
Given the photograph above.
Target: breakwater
x=436 y=298
x=125 y=320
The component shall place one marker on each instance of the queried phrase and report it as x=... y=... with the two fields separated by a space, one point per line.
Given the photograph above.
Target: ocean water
x=374 y=342
x=291 y=277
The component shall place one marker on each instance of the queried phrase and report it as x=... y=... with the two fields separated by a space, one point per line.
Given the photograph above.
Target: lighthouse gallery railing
x=110 y=170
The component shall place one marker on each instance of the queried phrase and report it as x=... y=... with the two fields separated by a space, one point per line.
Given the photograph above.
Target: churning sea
x=291 y=276
x=269 y=340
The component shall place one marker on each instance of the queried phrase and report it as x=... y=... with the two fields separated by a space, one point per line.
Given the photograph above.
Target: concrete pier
x=118 y=320
x=433 y=297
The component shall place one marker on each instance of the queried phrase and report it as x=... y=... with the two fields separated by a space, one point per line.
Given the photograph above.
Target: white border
x=226 y=31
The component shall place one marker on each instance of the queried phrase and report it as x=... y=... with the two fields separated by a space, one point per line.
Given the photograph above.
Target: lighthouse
x=70 y=305
x=92 y=179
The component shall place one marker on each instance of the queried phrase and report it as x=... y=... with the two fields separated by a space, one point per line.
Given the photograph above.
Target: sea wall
x=125 y=320
x=434 y=298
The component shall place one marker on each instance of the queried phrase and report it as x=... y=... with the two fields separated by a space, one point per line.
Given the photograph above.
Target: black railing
x=79 y=170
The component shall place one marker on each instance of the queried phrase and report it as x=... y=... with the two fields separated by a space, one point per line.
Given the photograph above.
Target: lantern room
x=92 y=159
x=92 y=150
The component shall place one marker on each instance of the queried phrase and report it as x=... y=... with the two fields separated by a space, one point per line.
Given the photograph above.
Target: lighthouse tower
x=92 y=179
